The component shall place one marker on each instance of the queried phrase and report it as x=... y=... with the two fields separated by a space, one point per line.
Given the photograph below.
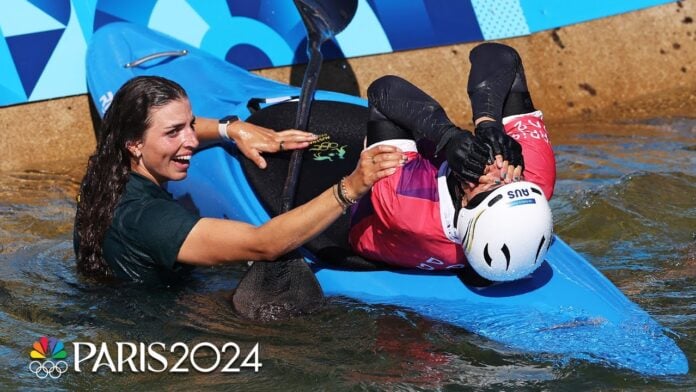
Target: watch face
x=231 y=118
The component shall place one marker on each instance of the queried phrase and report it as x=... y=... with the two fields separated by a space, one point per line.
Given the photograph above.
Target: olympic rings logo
x=48 y=368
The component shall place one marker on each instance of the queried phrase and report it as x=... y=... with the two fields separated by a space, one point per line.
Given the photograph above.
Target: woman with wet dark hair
x=128 y=227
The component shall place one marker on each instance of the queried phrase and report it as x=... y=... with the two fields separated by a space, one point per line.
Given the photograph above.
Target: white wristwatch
x=222 y=126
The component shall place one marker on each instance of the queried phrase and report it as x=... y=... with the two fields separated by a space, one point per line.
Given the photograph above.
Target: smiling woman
x=128 y=227
x=164 y=153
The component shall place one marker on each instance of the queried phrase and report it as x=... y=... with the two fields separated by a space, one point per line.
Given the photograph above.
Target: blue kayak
x=566 y=308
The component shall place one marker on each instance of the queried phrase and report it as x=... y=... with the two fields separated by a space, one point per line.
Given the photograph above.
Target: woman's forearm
x=290 y=230
x=215 y=241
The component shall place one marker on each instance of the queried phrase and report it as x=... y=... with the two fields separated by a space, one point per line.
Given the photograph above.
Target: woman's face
x=493 y=173
x=164 y=153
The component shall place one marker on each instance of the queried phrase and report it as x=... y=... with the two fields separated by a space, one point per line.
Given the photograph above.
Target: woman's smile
x=168 y=143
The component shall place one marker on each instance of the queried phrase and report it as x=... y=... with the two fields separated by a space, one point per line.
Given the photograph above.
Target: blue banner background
x=43 y=42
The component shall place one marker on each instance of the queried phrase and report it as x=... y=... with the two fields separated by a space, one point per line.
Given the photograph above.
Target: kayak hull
x=567 y=307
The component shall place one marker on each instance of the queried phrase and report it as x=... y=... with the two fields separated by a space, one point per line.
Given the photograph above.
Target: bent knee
x=494 y=53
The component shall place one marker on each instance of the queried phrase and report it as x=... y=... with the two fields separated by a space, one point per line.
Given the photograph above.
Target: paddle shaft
x=309 y=86
x=288 y=285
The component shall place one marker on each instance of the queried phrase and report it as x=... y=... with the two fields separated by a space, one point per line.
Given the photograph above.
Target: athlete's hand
x=252 y=140
x=374 y=164
x=509 y=173
x=504 y=147
x=493 y=176
x=467 y=156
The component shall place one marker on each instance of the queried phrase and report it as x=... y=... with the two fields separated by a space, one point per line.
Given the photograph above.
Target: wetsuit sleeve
x=411 y=108
x=162 y=228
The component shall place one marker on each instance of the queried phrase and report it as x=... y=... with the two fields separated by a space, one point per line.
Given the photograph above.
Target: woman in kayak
x=473 y=208
x=128 y=227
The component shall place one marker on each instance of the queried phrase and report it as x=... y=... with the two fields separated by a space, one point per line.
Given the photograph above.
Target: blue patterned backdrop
x=43 y=42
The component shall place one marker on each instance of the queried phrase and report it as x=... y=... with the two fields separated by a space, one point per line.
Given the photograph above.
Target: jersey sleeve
x=400 y=200
x=162 y=226
x=539 y=162
x=384 y=199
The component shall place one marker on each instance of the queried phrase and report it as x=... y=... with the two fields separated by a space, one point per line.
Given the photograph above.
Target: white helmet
x=506 y=236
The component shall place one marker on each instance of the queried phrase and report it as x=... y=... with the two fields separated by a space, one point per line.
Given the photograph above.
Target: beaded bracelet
x=336 y=193
x=344 y=194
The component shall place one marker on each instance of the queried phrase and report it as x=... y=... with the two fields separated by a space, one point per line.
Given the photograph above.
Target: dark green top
x=146 y=233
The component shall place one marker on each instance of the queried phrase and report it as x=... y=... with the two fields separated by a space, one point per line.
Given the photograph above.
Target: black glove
x=492 y=134
x=467 y=156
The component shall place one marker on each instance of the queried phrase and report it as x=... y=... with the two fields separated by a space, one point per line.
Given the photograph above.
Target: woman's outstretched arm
x=252 y=140
x=217 y=241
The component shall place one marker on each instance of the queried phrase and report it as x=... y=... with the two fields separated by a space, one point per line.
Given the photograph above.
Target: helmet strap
x=456 y=193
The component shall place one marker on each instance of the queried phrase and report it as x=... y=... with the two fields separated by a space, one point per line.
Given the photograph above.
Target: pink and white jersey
x=539 y=162
x=407 y=218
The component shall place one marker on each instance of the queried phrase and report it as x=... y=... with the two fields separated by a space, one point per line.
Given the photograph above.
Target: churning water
x=625 y=199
